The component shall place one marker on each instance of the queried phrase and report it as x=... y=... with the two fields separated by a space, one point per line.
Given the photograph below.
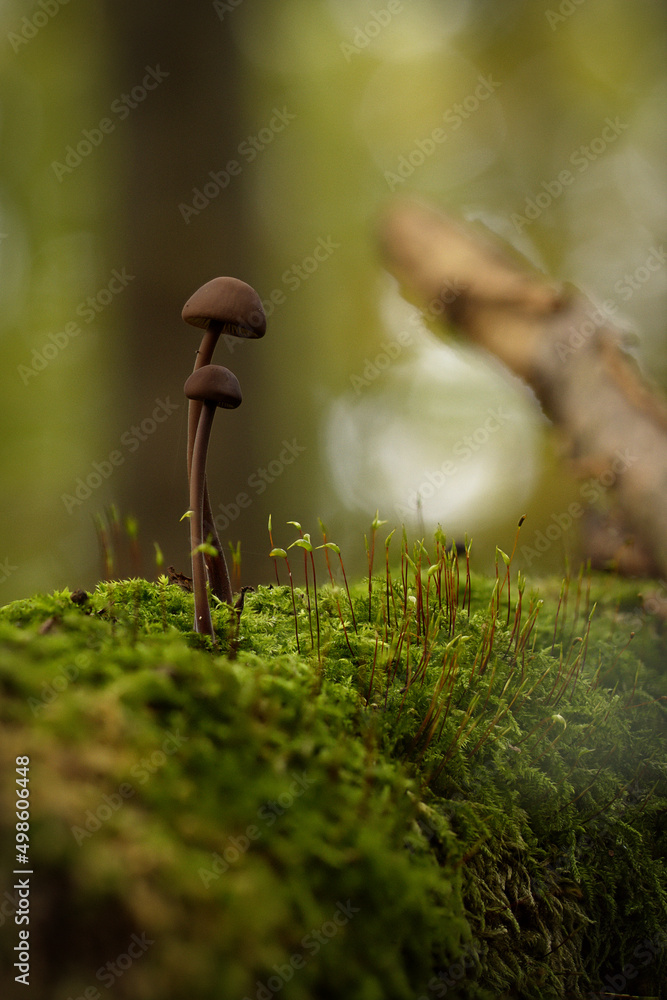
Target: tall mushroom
x=210 y=386
x=221 y=306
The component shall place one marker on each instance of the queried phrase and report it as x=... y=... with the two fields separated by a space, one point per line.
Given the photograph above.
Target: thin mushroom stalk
x=216 y=564
x=203 y=621
x=230 y=306
x=211 y=386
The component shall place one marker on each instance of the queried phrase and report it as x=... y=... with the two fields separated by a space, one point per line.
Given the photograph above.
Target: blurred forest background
x=148 y=147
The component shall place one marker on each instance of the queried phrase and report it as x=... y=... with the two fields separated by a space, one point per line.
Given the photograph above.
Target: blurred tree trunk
x=188 y=126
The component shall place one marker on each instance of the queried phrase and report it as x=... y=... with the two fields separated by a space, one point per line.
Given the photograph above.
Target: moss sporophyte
x=478 y=770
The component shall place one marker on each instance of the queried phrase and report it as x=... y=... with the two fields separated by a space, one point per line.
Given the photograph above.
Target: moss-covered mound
x=450 y=799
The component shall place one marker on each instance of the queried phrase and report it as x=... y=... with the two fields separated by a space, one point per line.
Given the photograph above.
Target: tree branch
x=613 y=423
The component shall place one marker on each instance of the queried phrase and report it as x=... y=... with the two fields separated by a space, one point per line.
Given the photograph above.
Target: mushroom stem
x=218 y=573
x=203 y=621
x=203 y=357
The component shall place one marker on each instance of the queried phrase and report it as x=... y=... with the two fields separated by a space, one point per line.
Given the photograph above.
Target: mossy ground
x=428 y=808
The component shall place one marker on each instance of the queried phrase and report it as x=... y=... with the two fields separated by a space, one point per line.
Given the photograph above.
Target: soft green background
x=366 y=84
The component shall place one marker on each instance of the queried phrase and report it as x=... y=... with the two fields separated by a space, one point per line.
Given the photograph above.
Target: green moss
x=314 y=826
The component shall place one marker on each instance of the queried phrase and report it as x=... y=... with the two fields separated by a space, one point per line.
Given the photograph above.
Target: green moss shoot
x=454 y=787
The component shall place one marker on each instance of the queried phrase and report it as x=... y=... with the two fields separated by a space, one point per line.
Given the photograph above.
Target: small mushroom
x=221 y=306
x=210 y=386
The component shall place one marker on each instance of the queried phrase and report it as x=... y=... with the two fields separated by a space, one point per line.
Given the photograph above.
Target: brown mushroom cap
x=214 y=384
x=229 y=303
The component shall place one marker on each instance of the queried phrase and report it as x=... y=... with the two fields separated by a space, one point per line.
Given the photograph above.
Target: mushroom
x=223 y=305
x=210 y=386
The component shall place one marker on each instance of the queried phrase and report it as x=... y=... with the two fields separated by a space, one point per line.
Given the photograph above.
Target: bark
x=613 y=423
